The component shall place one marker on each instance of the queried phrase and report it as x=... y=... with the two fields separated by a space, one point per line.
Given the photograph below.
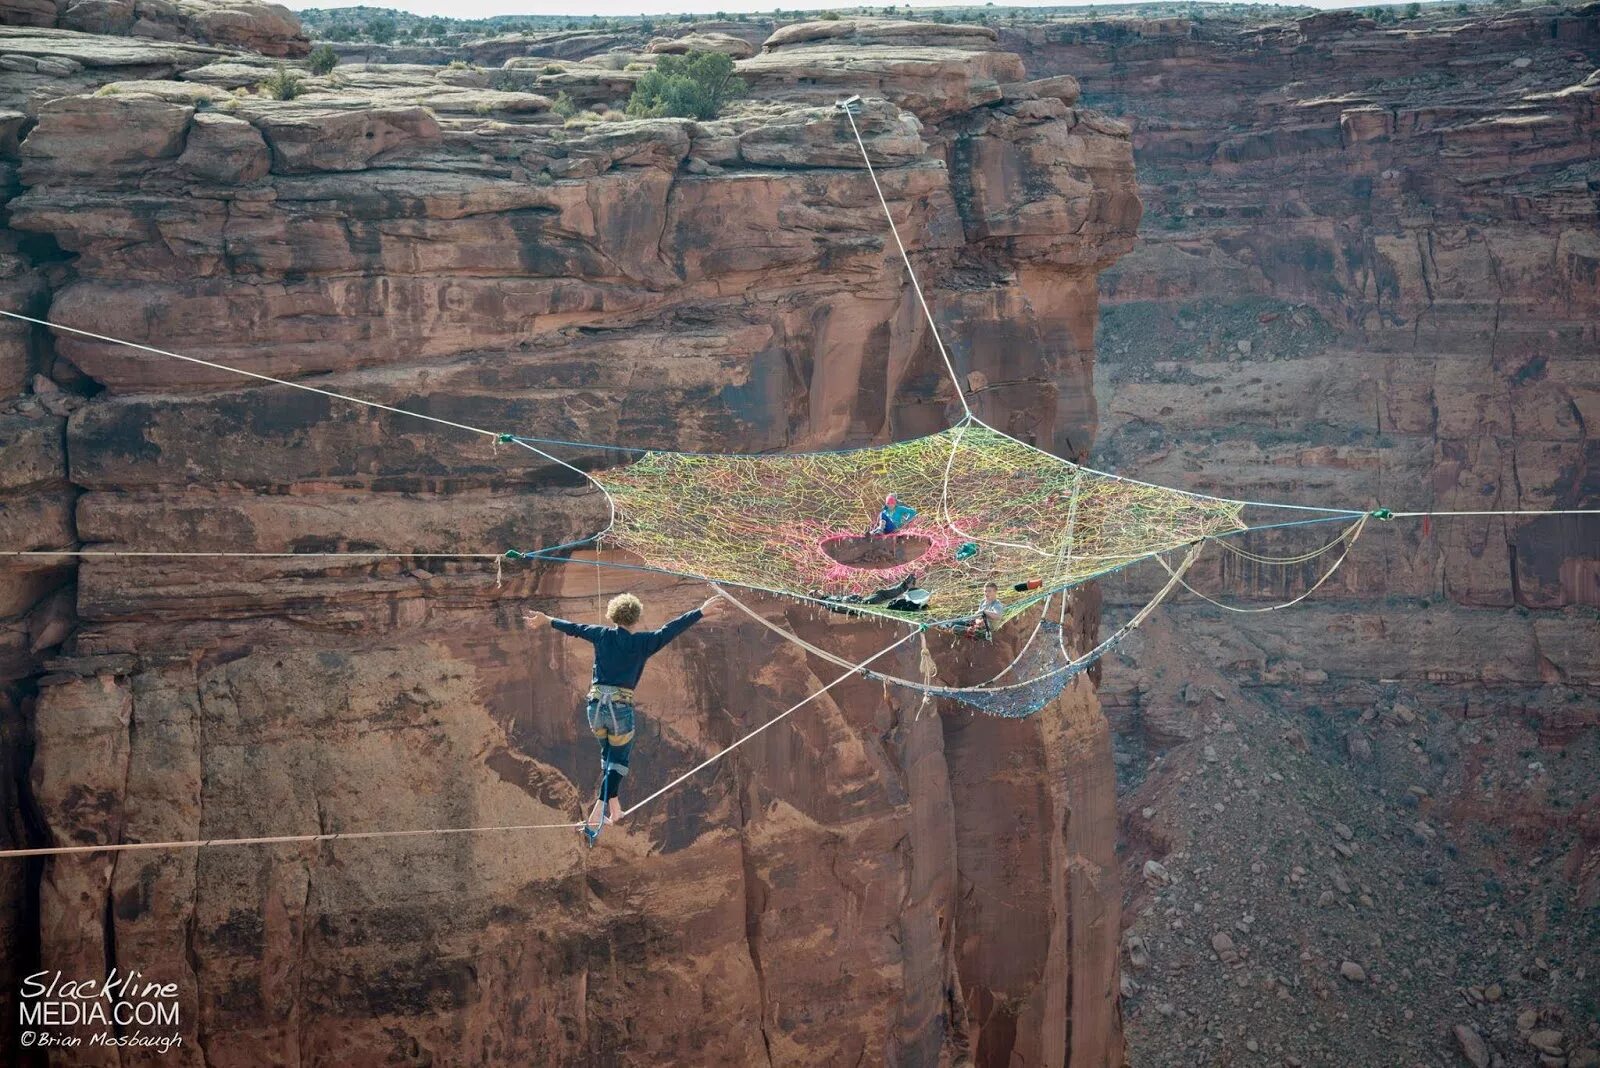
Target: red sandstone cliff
x=871 y=883
x=1367 y=275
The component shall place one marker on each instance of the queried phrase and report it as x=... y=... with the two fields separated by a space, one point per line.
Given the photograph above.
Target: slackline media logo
x=124 y=1009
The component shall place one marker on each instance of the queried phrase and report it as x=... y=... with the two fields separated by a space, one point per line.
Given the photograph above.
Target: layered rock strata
x=1366 y=276
x=872 y=881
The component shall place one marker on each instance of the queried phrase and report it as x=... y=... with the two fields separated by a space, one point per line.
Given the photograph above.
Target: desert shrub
x=514 y=81
x=553 y=68
x=563 y=106
x=695 y=86
x=322 y=59
x=282 y=84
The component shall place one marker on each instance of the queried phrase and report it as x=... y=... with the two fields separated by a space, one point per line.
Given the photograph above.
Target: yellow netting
x=990 y=508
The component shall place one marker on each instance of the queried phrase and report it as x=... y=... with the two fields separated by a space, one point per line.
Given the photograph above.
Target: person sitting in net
x=903 y=596
x=619 y=658
x=893 y=518
x=991 y=610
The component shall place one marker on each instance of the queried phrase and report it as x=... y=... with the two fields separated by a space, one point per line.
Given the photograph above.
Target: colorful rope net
x=990 y=509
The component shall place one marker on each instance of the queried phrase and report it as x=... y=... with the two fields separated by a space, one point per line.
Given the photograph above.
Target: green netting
x=781 y=522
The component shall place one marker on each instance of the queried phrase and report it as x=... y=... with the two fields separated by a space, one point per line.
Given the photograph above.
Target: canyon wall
x=872 y=882
x=1368 y=275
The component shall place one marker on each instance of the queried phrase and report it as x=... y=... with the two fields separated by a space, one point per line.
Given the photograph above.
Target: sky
x=477 y=9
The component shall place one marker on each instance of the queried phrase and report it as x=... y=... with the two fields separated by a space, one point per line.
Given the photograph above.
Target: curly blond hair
x=624 y=610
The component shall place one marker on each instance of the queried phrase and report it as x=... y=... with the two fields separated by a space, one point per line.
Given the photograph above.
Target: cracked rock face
x=873 y=880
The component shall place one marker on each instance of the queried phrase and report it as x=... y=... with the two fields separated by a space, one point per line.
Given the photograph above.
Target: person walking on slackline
x=619 y=659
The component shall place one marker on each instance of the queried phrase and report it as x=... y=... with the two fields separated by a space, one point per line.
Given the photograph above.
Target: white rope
x=971 y=417
x=248 y=374
x=916 y=286
x=1061 y=624
x=1038 y=625
x=944 y=494
x=1298 y=558
x=961 y=393
x=929 y=669
x=1524 y=511
x=280 y=839
x=1063 y=565
x=1352 y=513
x=348 y=836
x=611 y=504
x=853 y=670
x=1074 y=665
x=263 y=556
x=1286 y=604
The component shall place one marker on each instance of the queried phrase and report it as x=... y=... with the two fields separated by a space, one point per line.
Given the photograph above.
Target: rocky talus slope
x=1367 y=274
x=872 y=883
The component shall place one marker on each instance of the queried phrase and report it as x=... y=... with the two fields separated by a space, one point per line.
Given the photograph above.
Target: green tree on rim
x=694 y=86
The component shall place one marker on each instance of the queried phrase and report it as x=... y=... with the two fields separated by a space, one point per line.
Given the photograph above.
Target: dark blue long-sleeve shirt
x=620 y=654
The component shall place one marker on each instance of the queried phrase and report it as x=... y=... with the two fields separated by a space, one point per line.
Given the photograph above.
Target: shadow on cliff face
x=37 y=595
x=24 y=827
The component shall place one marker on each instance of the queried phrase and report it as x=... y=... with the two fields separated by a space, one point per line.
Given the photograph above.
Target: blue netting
x=1037 y=678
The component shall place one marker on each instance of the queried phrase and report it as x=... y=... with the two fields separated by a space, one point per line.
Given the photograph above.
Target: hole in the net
x=875 y=552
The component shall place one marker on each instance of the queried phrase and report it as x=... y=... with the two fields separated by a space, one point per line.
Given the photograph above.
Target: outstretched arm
x=587 y=631
x=674 y=627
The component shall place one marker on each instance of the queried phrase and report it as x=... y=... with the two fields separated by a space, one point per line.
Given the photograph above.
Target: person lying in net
x=619 y=658
x=903 y=596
